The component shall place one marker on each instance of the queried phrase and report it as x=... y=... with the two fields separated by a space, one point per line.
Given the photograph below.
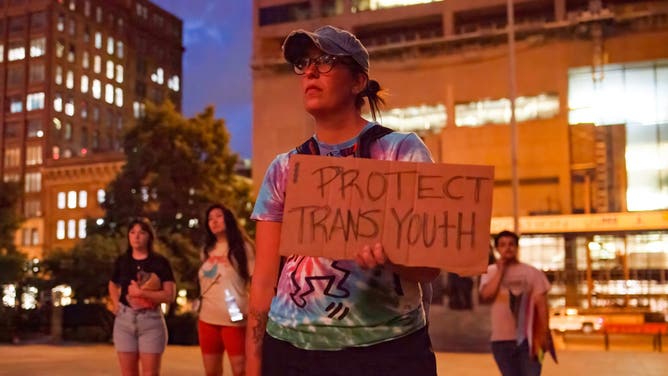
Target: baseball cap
x=330 y=40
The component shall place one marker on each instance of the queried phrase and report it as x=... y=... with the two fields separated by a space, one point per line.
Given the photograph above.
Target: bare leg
x=213 y=364
x=129 y=362
x=150 y=364
x=238 y=365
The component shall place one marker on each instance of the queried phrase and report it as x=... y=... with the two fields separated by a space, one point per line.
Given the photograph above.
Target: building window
x=61 y=200
x=12 y=157
x=69 y=80
x=159 y=76
x=37 y=72
x=35 y=128
x=101 y=195
x=119 y=73
x=67 y=135
x=15 y=105
x=15 y=75
x=17 y=51
x=37 y=47
x=119 y=49
x=33 y=208
x=57 y=102
x=87 y=8
x=71 y=200
x=138 y=109
x=84 y=84
x=55 y=153
x=97 y=64
x=60 y=24
x=59 y=75
x=35 y=101
x=2 y=52
x=174 y=83
x=60 y=229
x=110 y=45
x=69 y=107
x=497 y=111
x=33 y=155
x=98 y=40
x=110 y=69
x=84 y=110
x=71 y=228
x=71 y=54
x=97 y=89
x=73 y=5
x=109 y=93
x=85 y=61
x=119 y=97
x=60 y=49
x=37 y=21
x=72 y=26
x=82 y=229
x=98 y=14
x=83 y=199
x=33 y=182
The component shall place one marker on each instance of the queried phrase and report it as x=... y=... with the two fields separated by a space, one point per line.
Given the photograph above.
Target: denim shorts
x=141 y=331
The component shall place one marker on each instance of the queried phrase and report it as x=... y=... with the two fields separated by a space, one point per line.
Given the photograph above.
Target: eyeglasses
x=322 y=63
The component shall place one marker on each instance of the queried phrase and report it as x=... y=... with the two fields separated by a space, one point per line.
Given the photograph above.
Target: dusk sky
x=217 y=36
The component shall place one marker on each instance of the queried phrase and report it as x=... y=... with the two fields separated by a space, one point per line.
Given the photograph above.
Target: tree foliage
x=86 y=267
x=176 y=167
x=12 y=261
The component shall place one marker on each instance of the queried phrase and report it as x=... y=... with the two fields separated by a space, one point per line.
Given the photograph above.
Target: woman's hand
x=370 y=257
x=134 y=290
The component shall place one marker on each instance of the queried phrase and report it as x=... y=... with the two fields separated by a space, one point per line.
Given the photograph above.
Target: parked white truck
x=569 y=319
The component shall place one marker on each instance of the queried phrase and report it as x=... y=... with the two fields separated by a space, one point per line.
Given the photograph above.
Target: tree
x=86 y=267
x=11 y=260
x=175 y=168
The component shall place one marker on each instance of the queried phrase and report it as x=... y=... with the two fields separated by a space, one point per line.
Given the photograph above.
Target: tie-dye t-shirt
x=324 y=304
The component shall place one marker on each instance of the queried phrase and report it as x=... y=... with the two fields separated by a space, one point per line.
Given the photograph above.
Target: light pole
x=513 y=123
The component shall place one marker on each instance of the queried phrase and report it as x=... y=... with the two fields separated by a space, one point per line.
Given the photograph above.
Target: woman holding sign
x=141 y=280
x=335 y=317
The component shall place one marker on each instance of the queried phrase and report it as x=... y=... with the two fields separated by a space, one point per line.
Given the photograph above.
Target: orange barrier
x=646 y=328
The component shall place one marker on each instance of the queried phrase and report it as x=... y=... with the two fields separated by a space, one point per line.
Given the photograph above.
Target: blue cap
x=330 y=40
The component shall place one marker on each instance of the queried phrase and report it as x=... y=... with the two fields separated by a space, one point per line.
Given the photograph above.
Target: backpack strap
x=362 y=148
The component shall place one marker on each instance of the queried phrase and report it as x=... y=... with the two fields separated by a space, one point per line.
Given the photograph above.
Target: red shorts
x=215 y=339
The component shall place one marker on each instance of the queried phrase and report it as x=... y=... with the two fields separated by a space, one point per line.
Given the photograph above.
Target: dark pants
x=514 y=360
x=406 y=356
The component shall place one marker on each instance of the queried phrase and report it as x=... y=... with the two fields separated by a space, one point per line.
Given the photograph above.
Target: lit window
x=16 y=51
x=174 y=83
x=33 y=182
x=84 y=84
x=12 y=157
x=55 y=154
x=97 y=64
x=34 y=155
x=119 y=97
x=84 y=110
x=82 y=229
x=73 y=5
x=83 y=199
x=497 y=111
x=37 y=47
x=71 y=229
x=98 y=40
x=69 y=79
x=110 y=69
x=69 y=107
x=85 y=60
x=97 y=89
x=15 y=105
x=2 y=53
x=60 y=229
x=60 y=49
x=109 y=93
x=57 y=102
x=60 y=25
x=138 y=109
x=159 y=76
x=119 y=73
x=87 y=8
x=35 y=101
x=98 y=14
x=71 y=55
x=59 y=75
x=71 y=199
x=119 y=49
x=110 y=46
x=101 y=195
x=61 y=200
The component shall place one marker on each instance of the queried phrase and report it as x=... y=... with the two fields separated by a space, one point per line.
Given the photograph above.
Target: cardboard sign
x=424 y=214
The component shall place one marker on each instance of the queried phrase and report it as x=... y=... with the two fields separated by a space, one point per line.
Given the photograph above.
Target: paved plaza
x=93 y=360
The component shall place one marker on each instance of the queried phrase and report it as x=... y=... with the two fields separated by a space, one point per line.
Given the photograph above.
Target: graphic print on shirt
x=335 y=284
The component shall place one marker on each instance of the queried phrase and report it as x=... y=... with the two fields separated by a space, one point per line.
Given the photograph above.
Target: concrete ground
x=94 y=360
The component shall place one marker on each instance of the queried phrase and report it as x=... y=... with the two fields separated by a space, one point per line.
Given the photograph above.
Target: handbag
x=197 y=303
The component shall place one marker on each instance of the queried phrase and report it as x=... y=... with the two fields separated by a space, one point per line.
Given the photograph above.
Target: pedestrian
x=224 y=279
x=518 y=293
x=323 y=316
x=140 y=282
